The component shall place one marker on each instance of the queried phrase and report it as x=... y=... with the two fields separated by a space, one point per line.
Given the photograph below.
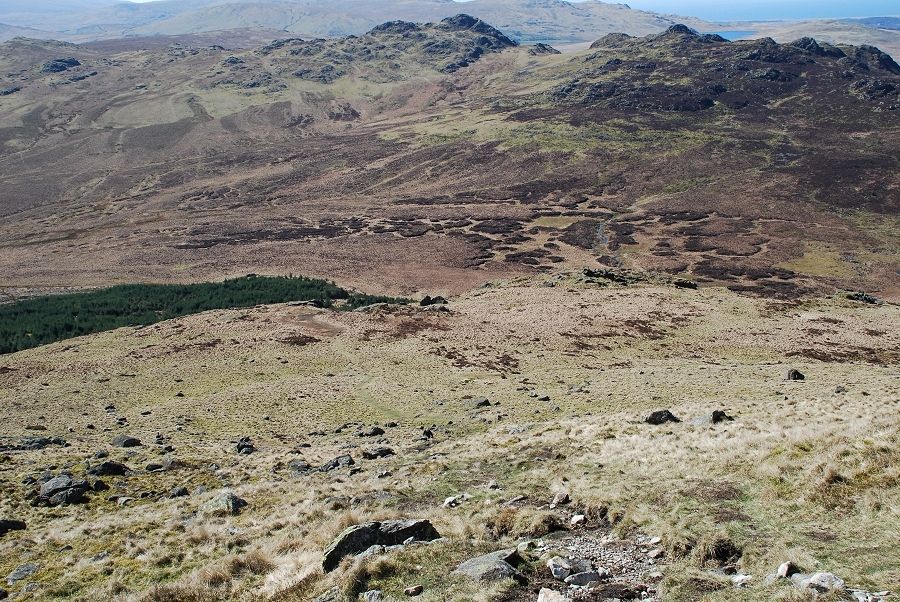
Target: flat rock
x=492 y=567
x=582 y=579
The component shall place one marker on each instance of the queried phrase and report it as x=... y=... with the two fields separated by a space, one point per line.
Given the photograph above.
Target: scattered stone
x=224 y=504
x=655 y=553
x=860 y=595
x=794 y=374
x=126 y=441
x=661 y=417
x=154 y=467
x=109 y=468
x=7 y=525
x=179 y=492
x=840 y=390
x=786 y=569
x=495 y=566
x=583 y=579
x=359 y=538
x=577 y=520
x=559 y=567
x=741 y=580
x=481 y=403
x=864 y=298
x=3 y=593
x=548 y=595
x=377 y=452
x=22 y=572
x=300 y=467
x=413 y=591
x=715 y=417
x=373 y=595
x=340 y=462
x=245 y=446
x=455 y=500
x=560 y=499
x=375 y=431
x=428 y=300
x=820 y=582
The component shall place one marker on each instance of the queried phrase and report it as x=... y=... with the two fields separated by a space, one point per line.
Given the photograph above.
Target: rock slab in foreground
x=359 y=538
x=493 y=567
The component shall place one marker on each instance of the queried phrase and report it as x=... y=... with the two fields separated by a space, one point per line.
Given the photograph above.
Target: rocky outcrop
x=62 y=490
x=542 y=50
x=59 y=65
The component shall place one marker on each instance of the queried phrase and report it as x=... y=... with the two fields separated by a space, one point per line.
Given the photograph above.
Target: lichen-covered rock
x=224 y=504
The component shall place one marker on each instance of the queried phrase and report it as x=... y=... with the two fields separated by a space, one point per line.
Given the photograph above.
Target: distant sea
x=734 y=34
x=768 y=10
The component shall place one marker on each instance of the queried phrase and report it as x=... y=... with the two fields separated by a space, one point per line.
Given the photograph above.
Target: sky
x=760 y=10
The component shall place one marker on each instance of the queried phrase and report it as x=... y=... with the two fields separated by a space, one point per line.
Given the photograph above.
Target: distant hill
x=8 y=32
x=525 y=20
x=878 y=22
x=828 y=30
x=444 y=155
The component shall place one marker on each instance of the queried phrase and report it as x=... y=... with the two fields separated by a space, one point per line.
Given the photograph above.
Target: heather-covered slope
x=382 y=161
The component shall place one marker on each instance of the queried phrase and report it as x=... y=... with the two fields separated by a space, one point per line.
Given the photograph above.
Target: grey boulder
x=22 y=572
x=359 y=538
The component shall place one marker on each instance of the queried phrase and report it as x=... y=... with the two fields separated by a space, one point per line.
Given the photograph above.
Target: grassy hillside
x=570 y=365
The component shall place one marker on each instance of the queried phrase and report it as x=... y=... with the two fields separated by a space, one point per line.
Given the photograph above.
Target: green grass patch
x=42 y=320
